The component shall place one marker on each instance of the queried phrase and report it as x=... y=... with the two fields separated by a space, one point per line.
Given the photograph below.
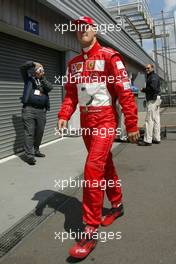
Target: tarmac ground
x=146 y=234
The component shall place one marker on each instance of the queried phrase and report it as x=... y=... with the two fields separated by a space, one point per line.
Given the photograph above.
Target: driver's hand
x=62 y=124
x=133 y=136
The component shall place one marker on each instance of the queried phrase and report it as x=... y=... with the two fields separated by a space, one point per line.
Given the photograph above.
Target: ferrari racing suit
x=95 y=79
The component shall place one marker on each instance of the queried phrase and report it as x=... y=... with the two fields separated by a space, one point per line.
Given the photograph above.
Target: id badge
x=37 y=92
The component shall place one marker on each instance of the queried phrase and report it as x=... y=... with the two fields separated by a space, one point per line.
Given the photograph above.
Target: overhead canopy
x=120 y=40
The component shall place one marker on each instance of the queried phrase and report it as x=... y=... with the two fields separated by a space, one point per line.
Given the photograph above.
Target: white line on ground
x=17 y=155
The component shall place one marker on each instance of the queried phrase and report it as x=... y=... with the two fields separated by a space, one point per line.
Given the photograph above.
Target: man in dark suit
x=152 y=120
x=35 y=101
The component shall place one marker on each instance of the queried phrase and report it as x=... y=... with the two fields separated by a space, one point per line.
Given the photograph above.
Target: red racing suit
x=96 y=78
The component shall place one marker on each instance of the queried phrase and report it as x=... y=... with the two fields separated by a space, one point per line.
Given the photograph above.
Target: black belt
x=34 y=106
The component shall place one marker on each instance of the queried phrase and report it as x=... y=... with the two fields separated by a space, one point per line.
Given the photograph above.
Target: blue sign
x=31 y=25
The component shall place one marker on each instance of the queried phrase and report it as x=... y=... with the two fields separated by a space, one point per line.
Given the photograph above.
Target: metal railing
x=168 y=100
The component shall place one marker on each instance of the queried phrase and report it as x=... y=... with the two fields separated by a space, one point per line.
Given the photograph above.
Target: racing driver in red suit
x=95 y=78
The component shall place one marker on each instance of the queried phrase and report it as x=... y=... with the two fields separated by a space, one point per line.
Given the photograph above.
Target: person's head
x=149 y=68
x=39 y=72
x=85 y=31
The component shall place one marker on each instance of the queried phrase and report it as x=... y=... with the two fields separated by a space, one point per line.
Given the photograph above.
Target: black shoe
x=143 y=143
x=31 y=161
x=156 y=142
x=39 y=154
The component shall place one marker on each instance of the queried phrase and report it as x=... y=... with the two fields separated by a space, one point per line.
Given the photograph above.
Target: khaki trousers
x=152 y=121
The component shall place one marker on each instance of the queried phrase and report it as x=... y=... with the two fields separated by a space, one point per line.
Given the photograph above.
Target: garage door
x=14 y=52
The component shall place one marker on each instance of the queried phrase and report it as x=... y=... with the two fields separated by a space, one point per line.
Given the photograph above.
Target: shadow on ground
x=68 y=205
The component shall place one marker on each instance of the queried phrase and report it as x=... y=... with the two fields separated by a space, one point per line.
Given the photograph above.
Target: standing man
x=89 y=84
x=35 y=101
x=152 y=120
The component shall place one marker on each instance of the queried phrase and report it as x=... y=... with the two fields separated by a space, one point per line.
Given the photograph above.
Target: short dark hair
x=151 y=65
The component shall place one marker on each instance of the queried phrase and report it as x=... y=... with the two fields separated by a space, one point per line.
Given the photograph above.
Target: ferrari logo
x=90 y=65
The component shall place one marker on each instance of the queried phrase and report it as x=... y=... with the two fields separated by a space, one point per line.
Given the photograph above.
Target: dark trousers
x=34 y=120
